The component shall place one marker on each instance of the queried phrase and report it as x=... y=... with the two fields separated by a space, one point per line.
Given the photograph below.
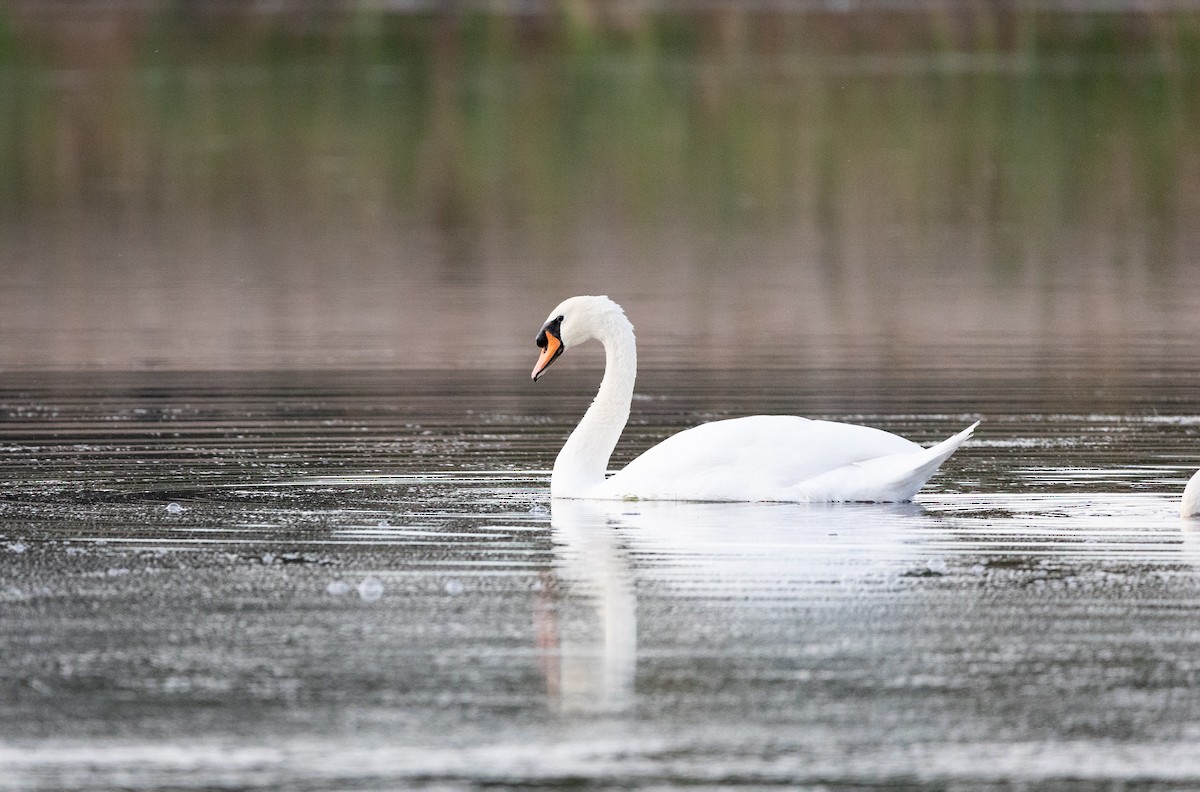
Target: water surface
x=358 y=580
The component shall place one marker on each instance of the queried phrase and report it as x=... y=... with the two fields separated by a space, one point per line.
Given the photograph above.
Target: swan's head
x=574 y=321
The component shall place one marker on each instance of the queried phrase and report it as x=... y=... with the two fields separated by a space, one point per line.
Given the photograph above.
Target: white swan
x=758 y=458
x=1191 y=497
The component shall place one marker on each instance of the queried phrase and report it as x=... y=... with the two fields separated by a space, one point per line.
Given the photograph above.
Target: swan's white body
x=757 y=458
x=1191 y=497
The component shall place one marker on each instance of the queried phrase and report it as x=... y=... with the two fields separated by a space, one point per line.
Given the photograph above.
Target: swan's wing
x=762 y=457
x=1191 y=497
x=894 y=478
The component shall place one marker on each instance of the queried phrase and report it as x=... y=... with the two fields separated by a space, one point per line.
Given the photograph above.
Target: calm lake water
x=356 y=580
x=274 y=504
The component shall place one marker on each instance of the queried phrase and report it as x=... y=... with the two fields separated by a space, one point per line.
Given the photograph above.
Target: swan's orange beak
x=551 y=346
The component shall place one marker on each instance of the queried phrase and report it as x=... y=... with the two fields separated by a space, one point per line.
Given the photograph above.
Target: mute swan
x=757 y=458
x=1191 y=497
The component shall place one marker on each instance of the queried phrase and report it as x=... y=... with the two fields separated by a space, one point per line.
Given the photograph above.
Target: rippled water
x=357 y=580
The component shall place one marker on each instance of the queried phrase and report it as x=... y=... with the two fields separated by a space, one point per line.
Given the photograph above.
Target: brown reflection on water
x=205 y=187
x=271 y=300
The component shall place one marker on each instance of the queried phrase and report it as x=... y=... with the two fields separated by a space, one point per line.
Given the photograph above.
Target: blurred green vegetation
x=1015 y=121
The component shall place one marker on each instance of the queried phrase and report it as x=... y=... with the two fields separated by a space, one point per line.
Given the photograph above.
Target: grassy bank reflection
x=214 y=159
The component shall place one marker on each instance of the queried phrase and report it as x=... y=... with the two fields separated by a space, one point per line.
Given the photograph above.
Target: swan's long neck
x=583 y=460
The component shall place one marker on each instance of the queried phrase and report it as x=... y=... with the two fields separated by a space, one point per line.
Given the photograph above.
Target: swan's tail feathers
x=894 y=478
x=928 y=461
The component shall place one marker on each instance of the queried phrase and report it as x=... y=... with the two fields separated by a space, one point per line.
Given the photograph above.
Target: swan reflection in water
x=606 y=553
x=587 y=618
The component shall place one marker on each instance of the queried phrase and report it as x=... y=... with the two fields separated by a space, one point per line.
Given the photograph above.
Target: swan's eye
x=554 y=327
